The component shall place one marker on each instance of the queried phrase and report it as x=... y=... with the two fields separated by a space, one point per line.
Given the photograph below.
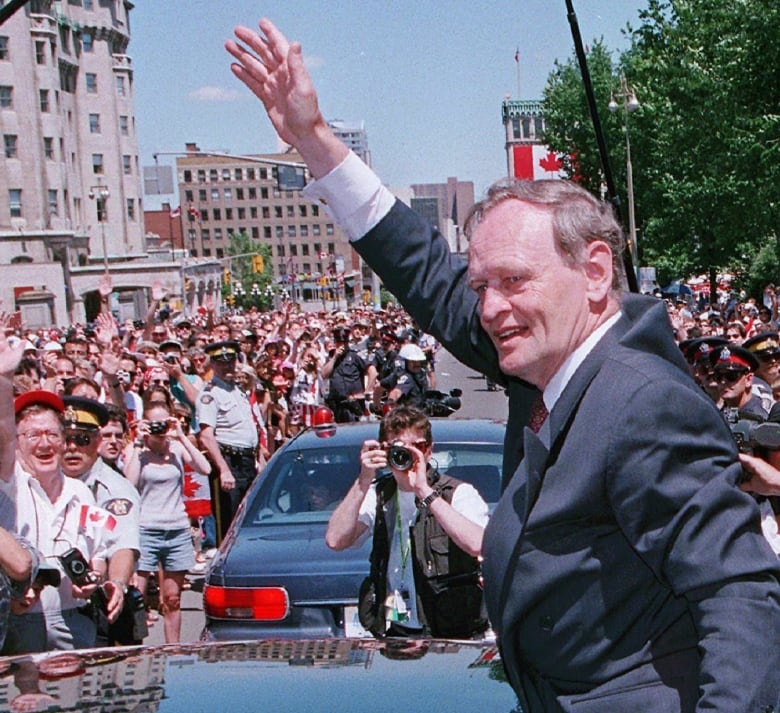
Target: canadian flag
x=534 y=161
x=196 y=493
x=193 y=213
x=96 y=517
x=324 y=255
x=175 y=212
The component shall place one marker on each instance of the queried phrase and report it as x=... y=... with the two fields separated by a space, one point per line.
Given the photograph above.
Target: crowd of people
x=129 y=446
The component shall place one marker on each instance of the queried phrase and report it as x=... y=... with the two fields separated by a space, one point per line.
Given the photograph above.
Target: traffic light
x=226 y=276
x=258 y=264
x=231 y=300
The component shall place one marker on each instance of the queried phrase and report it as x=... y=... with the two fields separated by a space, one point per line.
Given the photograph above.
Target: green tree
x=243 y=277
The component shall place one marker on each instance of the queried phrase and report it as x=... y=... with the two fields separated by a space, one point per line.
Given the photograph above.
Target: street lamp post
x=630 y=105
x=100 y=194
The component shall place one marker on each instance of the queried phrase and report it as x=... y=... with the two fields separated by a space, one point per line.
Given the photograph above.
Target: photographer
x=414 y=589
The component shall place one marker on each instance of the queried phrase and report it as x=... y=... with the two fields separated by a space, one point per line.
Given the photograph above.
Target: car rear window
x=306 y=485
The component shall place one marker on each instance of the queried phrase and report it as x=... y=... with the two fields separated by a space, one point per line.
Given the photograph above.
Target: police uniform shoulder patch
x=119 y=506
x=206 y=398
x=403 y=378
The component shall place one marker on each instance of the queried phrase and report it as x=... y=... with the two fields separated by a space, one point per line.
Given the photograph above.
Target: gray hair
x=579 y=218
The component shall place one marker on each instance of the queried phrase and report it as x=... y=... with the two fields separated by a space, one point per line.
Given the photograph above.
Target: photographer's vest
x=447 y=580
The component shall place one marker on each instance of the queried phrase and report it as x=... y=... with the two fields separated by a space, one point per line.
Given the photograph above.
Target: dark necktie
x=539 y=414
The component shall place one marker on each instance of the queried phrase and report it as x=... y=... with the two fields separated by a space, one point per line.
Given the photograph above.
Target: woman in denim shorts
x=155 y=465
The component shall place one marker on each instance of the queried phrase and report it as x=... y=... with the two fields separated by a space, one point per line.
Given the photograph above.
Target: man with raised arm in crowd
x=624 y=570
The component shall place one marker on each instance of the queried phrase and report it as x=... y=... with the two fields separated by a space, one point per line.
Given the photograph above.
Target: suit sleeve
x=415 y=263
x=671 y=478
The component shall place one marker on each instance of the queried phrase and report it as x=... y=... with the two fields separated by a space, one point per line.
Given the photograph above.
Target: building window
x=239 y=174
x=43 y=100
x=307 y=267
x=87 y=41
x=291 y=231
x=315 y=211
x=204 y=214
x=188 y=196
x=241 y=213
x=239 y=194
x=6 y=97
x=48 y=148
x=127 y=165
x=4 y=53
x=267 y=232
x=40 y=52
x=202 y=195
x=277 y=211
x=97 y=163
x=228 y=194
x=264 y=193
x=123 y=126
x=131 y=209
x=290 y=211
x=10 y=145
x=293 y=251
x=302 y=210
x=280 y=250
x=250 y=174
x=88 y=5
x=65 y=38
x=213 y=175
x=120 y=86
x=253 y=212
x=201 y=175
x=217 y=233
x=53 y=206
x=228 y=214
x=91 y=80
x=331 y=248
x=205 y=234
x=329 y=228
x=305 y=249
x=94 y=123
x=15 y=202
x=217 y=213
x=263 y=174
x=252 y=193
x=315 y=230
x=225 y=174
x=279 y=231
x=220 y=253
x=266 y=212
x=206 y=252
x=255 y=232
x=304 y=231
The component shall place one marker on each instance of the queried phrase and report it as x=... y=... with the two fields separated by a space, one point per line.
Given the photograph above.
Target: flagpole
x=517 y=62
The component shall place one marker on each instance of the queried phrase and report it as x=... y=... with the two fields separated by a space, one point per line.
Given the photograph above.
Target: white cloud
x=215 y=94
x=313 y=61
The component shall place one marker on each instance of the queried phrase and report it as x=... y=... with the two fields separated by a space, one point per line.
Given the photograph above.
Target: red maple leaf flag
x=96 y=517
x=193 y=213
x=551 y=163
x=190 y=486
x=175 y=212
x=196 y=493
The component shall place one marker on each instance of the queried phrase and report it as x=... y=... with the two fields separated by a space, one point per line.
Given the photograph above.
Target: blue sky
x=427 y=77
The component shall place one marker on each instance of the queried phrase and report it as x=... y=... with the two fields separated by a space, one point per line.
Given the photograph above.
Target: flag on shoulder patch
x=96 y=517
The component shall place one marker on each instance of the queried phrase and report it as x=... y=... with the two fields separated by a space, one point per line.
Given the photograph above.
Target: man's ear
x=598 y=270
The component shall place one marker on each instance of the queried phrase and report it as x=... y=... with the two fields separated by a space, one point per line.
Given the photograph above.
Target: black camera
x=751 y=433
x=400 y=457
x=77 y=568
x=157 y=428
x=138 y=323
x=170 y=358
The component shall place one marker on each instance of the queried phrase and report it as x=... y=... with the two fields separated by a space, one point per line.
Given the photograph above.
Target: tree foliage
x=242 y=272
x=706 y=141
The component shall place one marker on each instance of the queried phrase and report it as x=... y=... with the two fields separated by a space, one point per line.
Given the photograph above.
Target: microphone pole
x=609 y=179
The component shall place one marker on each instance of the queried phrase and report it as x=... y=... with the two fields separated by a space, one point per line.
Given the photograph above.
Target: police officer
x=345 y=368
x=227 y=431
x=409 y=385
x=83 y=420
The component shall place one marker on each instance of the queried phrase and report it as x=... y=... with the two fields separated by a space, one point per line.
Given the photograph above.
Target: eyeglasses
x=768 y=357
x=732 y=376
x=80 y=438
x=161 y=382
x=419 y=445
x=35 y=437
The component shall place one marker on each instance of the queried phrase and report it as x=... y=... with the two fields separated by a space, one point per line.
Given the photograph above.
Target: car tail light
x=260 y=603
x=324 y=422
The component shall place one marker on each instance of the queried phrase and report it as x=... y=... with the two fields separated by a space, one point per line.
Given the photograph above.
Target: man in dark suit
x=624 y=570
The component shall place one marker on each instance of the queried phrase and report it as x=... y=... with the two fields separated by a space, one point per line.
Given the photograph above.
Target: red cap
x=39 y=396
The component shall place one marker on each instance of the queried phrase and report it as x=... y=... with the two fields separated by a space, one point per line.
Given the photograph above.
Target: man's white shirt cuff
x=352 y=195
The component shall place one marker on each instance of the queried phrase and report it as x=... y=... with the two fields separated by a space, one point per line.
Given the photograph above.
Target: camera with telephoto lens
x=77 y=568
x=157 y=428
x=400 y=457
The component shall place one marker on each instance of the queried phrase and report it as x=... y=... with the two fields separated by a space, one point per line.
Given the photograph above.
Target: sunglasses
x=80 y=438
x=732 y=376
x=768 y=357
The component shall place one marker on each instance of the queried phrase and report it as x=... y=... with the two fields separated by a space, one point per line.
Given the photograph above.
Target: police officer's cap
x=764 y=344
x=223 y=351
x=695 y=350
x=733 y=358
x=81 y=412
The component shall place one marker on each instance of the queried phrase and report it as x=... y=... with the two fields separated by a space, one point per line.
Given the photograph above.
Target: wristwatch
x=428 y=499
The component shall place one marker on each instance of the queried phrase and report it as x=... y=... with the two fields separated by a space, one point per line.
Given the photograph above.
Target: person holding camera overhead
x=155 y=465
x=427 y=535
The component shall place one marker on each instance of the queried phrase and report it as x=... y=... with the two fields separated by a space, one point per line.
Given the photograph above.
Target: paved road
x=477 y=402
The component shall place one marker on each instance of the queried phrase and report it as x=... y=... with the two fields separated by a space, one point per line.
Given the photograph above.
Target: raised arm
x=9 y=360
x=274 y=71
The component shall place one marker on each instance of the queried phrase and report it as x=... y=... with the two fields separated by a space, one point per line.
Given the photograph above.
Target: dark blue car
x=274 y=576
